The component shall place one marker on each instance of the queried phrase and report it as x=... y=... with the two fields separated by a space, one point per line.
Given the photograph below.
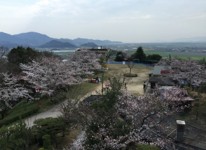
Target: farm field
x=178 y=54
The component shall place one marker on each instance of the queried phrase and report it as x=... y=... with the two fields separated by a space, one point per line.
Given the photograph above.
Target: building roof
x=162 y=81
x=159 y=70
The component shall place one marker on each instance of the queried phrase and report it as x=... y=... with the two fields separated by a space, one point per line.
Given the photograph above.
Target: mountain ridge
x=57 y=44
x=35 y=39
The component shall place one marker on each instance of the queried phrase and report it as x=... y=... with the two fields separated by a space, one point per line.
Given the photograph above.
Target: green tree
x=22 y=55
x=106 y=109
x=3 y=51
x=139 y=55
x=170 y=57
x=154 y=58
x=47 y=142
x=120 y=56
x=203 y=61
x=49 y=127
x=15 y=137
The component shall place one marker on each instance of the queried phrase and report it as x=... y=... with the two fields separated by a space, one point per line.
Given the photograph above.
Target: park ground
x=134 y=85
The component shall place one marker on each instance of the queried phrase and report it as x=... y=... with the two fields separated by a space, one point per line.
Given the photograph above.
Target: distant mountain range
x=89 y=44
x=58 y=44
x=38 y=40
x=194 y=39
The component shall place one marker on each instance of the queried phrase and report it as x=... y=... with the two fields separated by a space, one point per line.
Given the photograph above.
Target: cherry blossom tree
x=189 y=70
x=45 y=74
x=11 y=91
x=86 y=61
x=119 y=120
x=2 y=51
x=3 y=61
x=134 y=120
x=49 y=73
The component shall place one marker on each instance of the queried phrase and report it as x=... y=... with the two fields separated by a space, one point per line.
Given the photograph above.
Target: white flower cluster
x=49 y=73
x=11 y=90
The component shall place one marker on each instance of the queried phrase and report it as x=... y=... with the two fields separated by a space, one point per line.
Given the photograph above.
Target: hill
x=80 y=41
x=57 y=44
x=32 y=38
x=89 y=45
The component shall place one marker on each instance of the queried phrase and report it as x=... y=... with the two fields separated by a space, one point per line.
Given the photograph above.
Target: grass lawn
x=146 y=147
x=81 y=90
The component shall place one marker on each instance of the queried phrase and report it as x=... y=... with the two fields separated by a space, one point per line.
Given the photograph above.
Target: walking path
x=55 y=111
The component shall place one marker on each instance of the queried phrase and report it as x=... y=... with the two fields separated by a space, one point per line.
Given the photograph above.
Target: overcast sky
x=120 y=20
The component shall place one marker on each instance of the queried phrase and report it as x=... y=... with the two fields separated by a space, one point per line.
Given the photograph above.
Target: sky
x=117 y=20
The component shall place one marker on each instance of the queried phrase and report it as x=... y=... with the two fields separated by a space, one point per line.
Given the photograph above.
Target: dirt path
x=54 y=112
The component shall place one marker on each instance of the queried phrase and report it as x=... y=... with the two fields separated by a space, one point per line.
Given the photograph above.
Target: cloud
x=125 y=19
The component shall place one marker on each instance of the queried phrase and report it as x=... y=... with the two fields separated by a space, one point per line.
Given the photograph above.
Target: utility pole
x=102 y=80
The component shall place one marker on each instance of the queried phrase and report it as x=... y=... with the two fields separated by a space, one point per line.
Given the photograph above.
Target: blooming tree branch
x=11 y=90
x=49 y=73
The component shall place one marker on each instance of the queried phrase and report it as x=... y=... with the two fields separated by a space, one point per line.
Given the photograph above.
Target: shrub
x=48 y=126
x=47 y=142
x=130 y=75
x=146 y=147
x=16 y=136
x=202 y=88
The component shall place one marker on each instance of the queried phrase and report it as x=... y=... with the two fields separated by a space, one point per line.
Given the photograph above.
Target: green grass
x=78 y=91
x=146 y=147
x=176 y=54
x=181 y=55
x=19 y=112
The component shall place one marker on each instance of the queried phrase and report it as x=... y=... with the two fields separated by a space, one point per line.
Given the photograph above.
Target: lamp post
x=180 y=130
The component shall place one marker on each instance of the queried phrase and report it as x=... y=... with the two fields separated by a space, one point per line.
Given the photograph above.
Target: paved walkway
x=55 y=111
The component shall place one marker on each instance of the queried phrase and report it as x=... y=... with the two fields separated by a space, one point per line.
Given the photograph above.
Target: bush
x=48 y=126
x=146 y=147
x=130 y=75
x=202 y=88
x=16 y=137
x=47 y=142
x=154 y=57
